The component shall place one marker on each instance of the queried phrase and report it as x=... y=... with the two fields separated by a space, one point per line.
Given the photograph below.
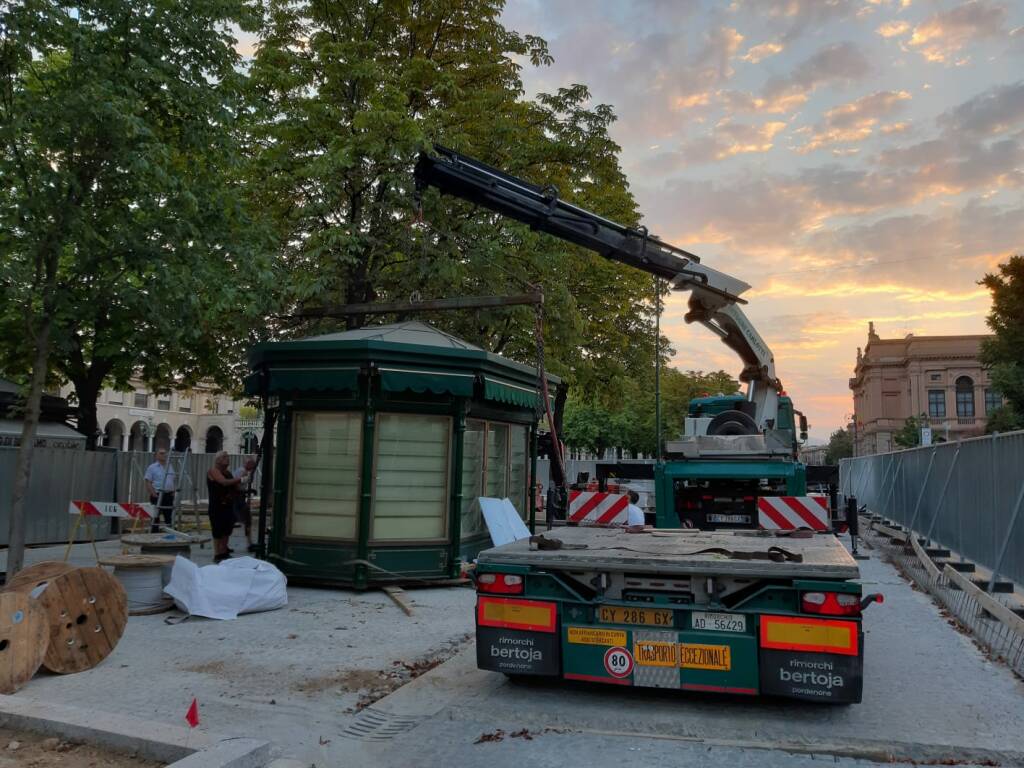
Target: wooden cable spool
x=24 y=638
x=86 y=609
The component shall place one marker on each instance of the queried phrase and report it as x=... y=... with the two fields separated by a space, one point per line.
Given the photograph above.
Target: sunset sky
x=853 y=160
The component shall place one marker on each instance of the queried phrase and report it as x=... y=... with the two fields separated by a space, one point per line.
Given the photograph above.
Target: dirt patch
x=32 y=750
x=209 y=668
x=374 y=684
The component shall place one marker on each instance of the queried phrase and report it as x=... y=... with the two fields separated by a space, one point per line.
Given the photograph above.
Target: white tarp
x=503 y=522
x=238 y=585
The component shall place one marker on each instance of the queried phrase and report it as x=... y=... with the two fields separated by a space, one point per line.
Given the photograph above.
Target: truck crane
x=733 y=448
x=713 y=610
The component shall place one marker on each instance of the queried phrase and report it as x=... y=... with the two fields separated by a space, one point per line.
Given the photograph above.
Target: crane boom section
x=714 y=298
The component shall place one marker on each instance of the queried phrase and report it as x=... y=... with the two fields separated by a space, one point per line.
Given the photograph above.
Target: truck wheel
x=732 y=423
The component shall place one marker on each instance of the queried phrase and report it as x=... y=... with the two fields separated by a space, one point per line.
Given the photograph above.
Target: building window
x=937 y=403
x=993 y=400
x=141 y=400
x=163 y=402
x=936 y=376
x=410 y=493
x=495 y=463
x=964 y=398
x=185 y=403
x=116 y=398
x=325 y=481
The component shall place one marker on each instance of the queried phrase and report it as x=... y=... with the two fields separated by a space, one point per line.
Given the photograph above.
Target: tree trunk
x=23 y=467
x=561 y=395
x=87 y=390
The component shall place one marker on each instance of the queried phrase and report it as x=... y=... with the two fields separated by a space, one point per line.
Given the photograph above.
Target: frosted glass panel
x=496 y=482
x=326 y=460
x=518 y=470
x=410 y=497
x=472 y=478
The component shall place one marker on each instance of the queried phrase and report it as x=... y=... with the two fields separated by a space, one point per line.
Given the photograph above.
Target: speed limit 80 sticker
x=618 y=662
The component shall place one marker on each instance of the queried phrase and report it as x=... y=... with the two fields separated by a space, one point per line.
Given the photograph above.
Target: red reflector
x=500 y=583
x=830 y=603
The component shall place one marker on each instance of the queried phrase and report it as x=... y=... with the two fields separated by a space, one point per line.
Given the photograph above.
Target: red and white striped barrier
x=597 y=508
x=786 y=513
x=111 y=509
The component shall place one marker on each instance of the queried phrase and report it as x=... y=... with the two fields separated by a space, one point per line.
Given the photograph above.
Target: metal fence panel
x=61 y=475
x=966 y=496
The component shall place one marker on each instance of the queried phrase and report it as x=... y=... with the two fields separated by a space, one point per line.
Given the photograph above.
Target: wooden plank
x=24 y=638
x=987 y=602
x=398 y=597
x=897 y=536
x=929 y=566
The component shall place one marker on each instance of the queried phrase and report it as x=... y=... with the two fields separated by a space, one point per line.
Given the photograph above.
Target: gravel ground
x=30 y=750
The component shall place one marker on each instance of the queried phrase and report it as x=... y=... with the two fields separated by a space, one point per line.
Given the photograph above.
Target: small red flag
x=192 y=716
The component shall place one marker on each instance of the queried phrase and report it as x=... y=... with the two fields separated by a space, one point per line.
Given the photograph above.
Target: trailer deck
x=680 y=552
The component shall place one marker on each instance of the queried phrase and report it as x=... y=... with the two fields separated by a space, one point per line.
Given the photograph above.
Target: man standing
x=243 y=511
x=160 y=483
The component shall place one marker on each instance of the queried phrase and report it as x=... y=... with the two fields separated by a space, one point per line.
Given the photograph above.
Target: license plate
x=716 y=657
x=645 y=617
x=714 y=517
x=719 y=622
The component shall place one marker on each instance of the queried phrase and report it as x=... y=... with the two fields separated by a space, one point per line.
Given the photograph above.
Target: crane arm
x=714 y=295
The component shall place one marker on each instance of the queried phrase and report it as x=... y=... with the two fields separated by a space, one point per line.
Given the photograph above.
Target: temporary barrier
x=786 y=513
x=596 y=508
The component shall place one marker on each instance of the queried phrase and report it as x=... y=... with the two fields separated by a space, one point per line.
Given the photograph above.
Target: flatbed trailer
x=738 y=612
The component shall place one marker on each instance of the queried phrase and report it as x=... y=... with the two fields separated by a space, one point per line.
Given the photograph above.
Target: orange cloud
x=944 y=34
x=760 y=52
x=893 y=29
x=854 y=121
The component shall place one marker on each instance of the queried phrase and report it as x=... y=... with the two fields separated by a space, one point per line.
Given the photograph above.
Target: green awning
x=506 y=392
x=437 y=382
x=314 y=379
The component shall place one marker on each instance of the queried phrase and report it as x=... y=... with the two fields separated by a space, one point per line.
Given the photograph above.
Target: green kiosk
x=386 y=437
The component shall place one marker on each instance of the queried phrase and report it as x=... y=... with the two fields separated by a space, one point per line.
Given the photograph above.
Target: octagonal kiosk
x=386 y=436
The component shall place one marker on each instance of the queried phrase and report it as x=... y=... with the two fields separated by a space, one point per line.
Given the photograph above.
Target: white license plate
x=717 y=518
x=719 y=622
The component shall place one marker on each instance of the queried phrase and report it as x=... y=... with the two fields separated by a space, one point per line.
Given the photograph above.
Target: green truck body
x=703 y=611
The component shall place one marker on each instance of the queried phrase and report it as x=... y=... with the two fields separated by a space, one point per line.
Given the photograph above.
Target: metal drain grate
x=374 y=725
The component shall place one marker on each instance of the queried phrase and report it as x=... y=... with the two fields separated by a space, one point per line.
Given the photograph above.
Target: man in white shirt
x=634 y=515
x=161 y=483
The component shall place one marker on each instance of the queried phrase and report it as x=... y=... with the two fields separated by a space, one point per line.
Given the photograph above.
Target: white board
x=503 y=522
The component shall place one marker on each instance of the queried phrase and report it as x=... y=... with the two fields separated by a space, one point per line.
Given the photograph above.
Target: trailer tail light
x=830 y=603
x=500 y=583
x=513 y=613
x=789 y=633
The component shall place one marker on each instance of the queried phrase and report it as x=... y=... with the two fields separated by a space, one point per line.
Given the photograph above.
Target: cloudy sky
x=853 y=160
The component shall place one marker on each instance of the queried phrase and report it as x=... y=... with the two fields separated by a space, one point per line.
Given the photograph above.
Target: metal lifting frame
x=715 y=296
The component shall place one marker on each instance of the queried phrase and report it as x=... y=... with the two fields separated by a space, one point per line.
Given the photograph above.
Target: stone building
x=201 y=419
x=938 y=377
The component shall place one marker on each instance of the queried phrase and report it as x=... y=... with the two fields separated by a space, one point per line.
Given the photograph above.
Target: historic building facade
x=199 y=419
x=939 y=378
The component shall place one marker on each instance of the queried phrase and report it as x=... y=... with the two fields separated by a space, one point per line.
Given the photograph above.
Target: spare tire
x=733 y=423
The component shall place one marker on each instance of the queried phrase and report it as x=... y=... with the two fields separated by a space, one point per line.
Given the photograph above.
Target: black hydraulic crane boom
x=541 y=208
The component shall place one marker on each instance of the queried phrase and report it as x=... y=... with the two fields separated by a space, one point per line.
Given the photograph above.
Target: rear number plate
x=714 y=517
x=645 y=617
x=719 y=622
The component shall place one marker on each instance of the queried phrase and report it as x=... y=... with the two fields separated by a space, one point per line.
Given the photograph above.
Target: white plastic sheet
x=503 y=522
x=238 y=585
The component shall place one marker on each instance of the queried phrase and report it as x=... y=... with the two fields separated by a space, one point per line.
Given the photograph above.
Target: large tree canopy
x=349 y=93
x=120 y=154
x=1004 y=352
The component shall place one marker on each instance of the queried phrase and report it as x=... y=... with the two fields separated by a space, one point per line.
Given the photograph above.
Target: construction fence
x=965 y=496
x=60 y=476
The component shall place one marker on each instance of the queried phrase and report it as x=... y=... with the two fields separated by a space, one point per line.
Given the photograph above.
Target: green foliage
x=909 y=435
x=1004 y=419
x=628 y=421
x=348 y=94
x=1004 y=353
x=119 y=139
x=840 y=446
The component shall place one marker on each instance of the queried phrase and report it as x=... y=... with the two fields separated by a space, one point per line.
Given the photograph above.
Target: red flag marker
x=192 y=716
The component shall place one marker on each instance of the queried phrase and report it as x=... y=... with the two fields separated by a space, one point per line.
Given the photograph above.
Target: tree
x=1004 y=419
x=909 y=435
x=124 y=241
x=1003 y=354
x=840 y=446
x=349 y=93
